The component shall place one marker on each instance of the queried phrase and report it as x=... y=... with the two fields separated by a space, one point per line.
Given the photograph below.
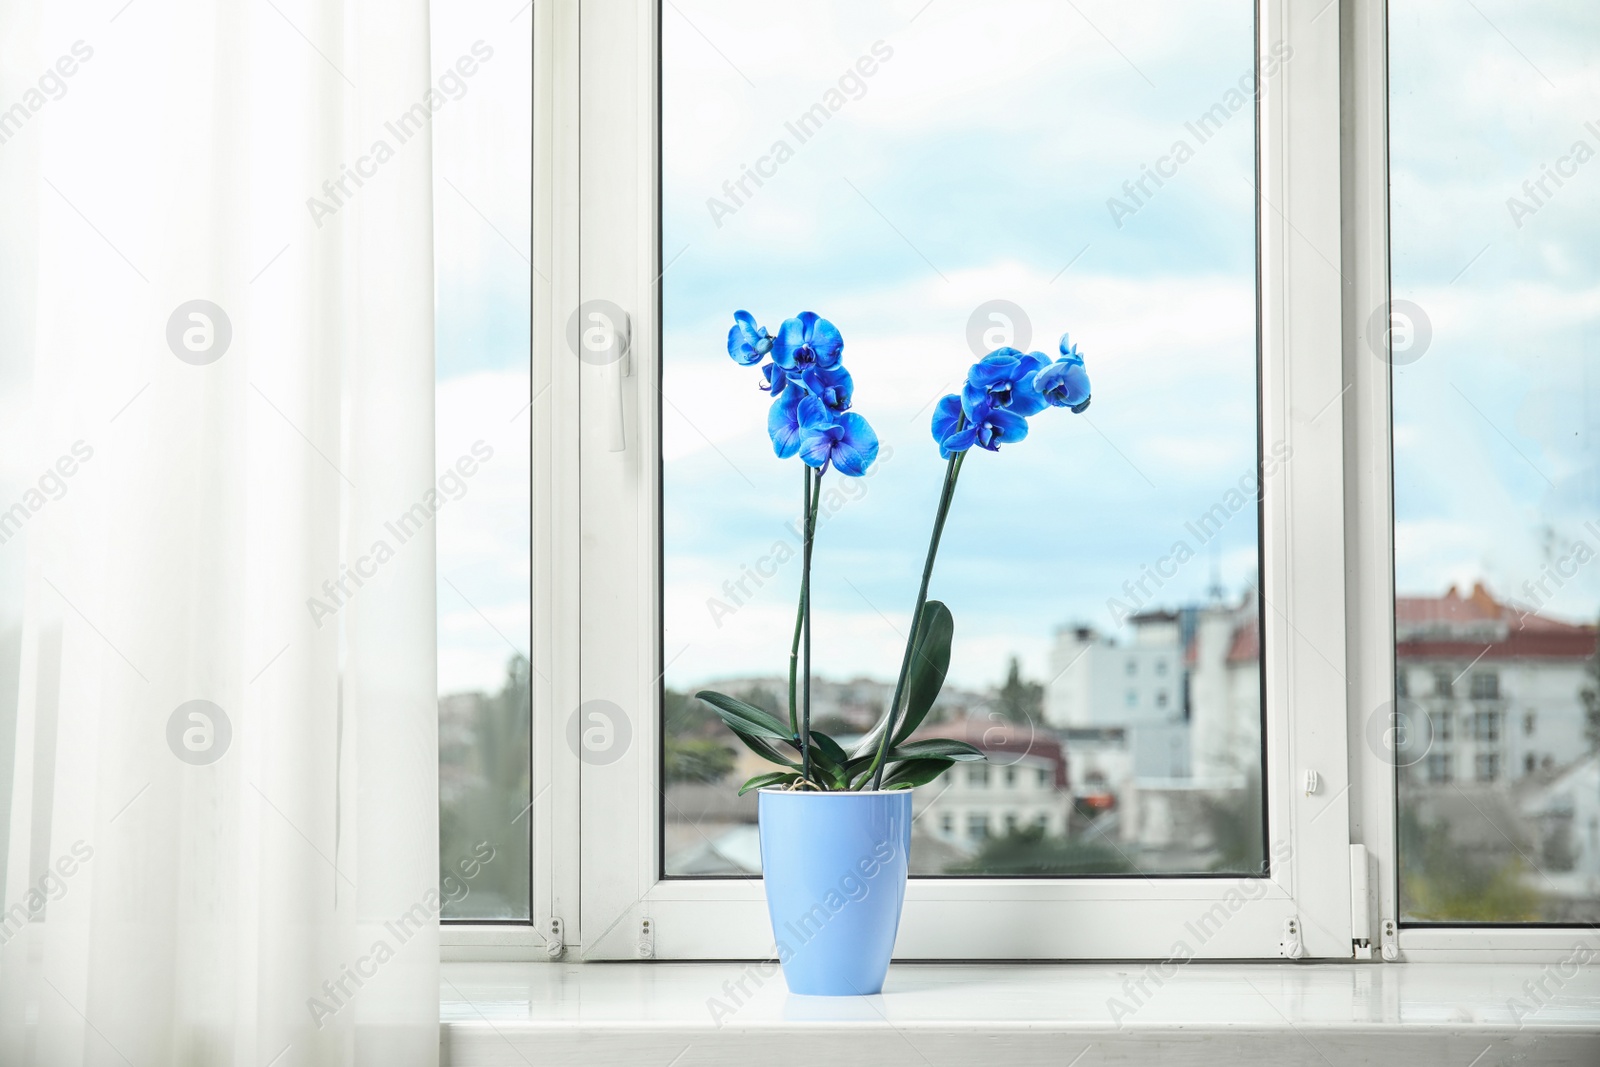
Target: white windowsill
x=644 y=1014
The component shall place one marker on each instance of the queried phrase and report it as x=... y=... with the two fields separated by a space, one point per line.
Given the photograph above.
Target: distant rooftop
x=1453 y=625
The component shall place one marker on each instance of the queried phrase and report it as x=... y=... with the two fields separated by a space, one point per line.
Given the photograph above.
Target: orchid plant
x=802 y=367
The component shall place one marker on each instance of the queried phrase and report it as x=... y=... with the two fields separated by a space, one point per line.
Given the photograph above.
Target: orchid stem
x=945 y=497
x=814 y=494
x=799 y=615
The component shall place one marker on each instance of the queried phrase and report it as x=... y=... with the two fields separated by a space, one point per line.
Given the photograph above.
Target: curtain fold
x=218 y=728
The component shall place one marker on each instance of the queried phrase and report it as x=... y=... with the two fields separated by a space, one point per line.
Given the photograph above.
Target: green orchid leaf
x=929 y=664
x=746 y=718
x=828 y=750
x=762 y=781
x=937 y=747
x=765 y=749
x=915 y=772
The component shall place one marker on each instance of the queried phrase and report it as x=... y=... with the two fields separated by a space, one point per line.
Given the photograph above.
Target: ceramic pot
x=835 y=867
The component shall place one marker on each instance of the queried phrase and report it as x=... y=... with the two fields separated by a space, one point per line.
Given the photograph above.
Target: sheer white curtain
x=218 y=766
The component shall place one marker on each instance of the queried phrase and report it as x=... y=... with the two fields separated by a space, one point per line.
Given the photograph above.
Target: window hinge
x=555 y=945
x=1360 y=904
x=647 y=939
x=1391 y=941
x=1291 y=945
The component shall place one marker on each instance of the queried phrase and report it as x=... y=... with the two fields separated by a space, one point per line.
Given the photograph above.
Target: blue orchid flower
x=747 y=342
x=1004 y=381
x=997 y=426
x=783 y=423
x=846 y=441
x=1065 y=383
x=807 y=341
x=833 y=387
x=987 y=427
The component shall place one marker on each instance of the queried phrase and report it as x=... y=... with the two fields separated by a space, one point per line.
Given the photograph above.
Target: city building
x=1498 y=690
x=1122 y=706
x=1022 y=783
x=1224 y=662
x=1097 y=681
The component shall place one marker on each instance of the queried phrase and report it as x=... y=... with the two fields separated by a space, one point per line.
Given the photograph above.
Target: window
x=849 y=152
x=1443 y=725
x=1492 y=222
x=947 y=823
x=1044 y=778
x=1486 y=766
x=1011 y=777
x=680 y=492
x=1161 y=668
x=1443 y=683
x=1439 y=767
x=977 y=777
x=483 y=320
x=1485 y=726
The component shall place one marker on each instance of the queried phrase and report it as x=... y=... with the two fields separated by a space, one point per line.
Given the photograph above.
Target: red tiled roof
x=1455 y=626
x=1246 y=644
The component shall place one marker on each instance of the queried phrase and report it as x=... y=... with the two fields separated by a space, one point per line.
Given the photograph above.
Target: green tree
x=1441 y=881
x=493 y=807
x=1018 y=700
x=697 y=759
x=1233 y=822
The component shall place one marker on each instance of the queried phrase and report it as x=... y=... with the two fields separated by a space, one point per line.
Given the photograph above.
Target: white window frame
x=1369 y=518
x=976 y=918
x=1327 y=522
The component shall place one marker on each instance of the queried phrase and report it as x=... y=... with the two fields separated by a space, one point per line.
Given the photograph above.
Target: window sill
x=648 y=1013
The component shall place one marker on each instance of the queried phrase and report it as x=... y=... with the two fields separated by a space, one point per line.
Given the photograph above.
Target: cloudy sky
x=481 y=150
x=1497 y=420
x=973 y=165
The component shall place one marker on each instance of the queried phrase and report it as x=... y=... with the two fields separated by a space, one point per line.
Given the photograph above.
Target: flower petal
x=1001 y=427
x=814 y=415
x=998 y=366
x=857 y=447
x=782 y=425
x=790 y=339
x=1012 y=427
x=1025 y=396
x=825 y=341
x=816 y=446
x=959 y=441
x=946 y=417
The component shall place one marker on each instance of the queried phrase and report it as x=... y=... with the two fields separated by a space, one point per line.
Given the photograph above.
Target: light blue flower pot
x=835 y=867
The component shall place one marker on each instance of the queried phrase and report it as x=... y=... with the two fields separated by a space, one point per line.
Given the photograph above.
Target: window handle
x=616 y=365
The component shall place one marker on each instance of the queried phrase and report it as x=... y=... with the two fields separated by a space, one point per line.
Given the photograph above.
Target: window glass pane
x=940 y=180
x=1494 y=128
x=482 y=144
